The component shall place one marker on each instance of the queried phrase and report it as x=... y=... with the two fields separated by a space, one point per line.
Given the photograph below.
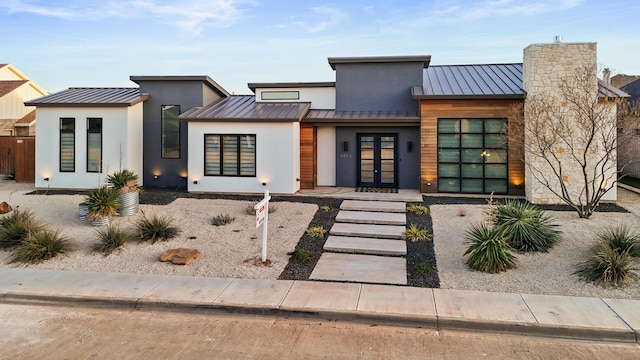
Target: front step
x=370 y=217
x=361 y=245
x=367 y=230
x=376 y=206
x=360 y=268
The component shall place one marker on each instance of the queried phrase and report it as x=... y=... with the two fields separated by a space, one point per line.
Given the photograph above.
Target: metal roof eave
x=141 y=98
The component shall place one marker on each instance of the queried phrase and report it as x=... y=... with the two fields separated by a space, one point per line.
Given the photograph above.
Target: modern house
x=16 y=88
x=394 y=121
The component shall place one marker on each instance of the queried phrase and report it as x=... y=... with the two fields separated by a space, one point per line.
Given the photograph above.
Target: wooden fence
x=18 y=157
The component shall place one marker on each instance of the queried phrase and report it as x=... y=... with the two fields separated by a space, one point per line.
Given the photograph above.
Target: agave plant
x=607 y=265
x=621 y=238
x=525 y=226
x=124 y=181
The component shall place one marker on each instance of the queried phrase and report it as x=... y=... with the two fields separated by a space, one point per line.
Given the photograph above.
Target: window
x=170 y=132
x=230 y=155
x=67 y=144
x=280 y=95
x=94 y=145
x=472 y=156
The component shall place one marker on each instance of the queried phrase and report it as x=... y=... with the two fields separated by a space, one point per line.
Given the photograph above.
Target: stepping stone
x=361 y=245
x=361 y=268
x=381 y=206
x=367 y=230
x=369 y=217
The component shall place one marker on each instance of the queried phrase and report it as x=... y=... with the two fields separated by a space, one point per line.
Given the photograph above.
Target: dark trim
x=424 y=59
x=238 y=154
x=89 y=131
x=142 y=98
x=162 y=133
x=60 y=144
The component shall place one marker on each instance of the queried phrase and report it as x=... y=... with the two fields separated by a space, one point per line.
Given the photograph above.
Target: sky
x=100 y=43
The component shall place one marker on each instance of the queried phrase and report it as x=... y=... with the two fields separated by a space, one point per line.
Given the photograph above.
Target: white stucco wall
x=120 y=125
x=277 y=158
x=320 y=97
x=326 y=136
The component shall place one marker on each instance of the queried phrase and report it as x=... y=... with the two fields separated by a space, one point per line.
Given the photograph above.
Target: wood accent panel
x=308 y=158
x=432 y=110
x=18 y=156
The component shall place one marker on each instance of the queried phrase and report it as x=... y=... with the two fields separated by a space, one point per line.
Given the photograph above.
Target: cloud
x=190 y=15
x=320 y=19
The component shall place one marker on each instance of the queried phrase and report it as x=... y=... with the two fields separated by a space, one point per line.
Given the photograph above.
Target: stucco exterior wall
x=277 y=158
x=120 y=125
x=326 y=156
x=544 y=68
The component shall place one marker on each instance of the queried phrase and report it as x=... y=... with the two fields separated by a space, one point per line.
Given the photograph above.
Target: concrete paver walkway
x=360 y=268
x=438 y=309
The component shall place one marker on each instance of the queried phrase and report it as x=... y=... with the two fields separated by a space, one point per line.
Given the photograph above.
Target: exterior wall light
x=345 y=145
x=46 y=179
x=195 y=182
x=409 y=146
x=156 y=177
x=264 y=183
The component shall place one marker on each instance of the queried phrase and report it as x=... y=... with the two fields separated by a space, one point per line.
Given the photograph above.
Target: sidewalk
x=437 y=309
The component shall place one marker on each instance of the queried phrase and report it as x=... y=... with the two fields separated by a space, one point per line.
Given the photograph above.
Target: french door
x=377 y=164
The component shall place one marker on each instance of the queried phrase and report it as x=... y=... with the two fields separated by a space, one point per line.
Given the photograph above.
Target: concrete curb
x=615 y=321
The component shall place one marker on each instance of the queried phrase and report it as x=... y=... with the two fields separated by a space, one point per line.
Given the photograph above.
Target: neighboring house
x=629 y=157
x=85 y=133
x=15 y=88
x=385 y=122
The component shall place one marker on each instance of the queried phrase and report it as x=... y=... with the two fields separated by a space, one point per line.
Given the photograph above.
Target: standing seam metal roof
x=245 y=108
x=484 y=80
x=91 y=97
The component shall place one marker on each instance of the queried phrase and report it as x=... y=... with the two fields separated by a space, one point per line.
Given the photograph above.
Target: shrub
x=607 y=265
x=422 y=269
x=102 y=202
x=300 y=256
x=416 y=233
x=220 y=220
x=316 y=231
x=621 y=238
x=124 y=181
x=40 y=246
x=156 y=228
x=418 y=209
x=325 y=208
x=525 y=226
x=110 y=239
x=17 y=226
x=488 y=251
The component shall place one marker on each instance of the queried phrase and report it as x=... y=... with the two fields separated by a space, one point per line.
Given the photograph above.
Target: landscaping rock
x=5 y=208
x=180 y=256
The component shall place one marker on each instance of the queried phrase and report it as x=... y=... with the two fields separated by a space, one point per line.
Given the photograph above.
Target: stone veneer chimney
x=544 y=67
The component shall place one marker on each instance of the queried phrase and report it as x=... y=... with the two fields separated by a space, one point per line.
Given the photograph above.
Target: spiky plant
x=488 y=251
x=155 y=228
x=220 y=220
x=418 y=209
x=316 y=231
x=111 y=238
x=416 y=233
x=124 y=181
x=102 y=202
x=300 y=256
x=607 y=266
x=621 y=238
x=525 y=227
x=42 y=245
x=17 y=226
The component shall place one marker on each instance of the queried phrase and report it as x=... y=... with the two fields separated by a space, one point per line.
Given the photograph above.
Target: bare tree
x=571 y=139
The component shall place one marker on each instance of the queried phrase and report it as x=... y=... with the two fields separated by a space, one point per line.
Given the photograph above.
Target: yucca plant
x=621 y=238
x=607 y=265
x=220 y=220
x=42 y=245
x=155 y=228
x=416 y=233
x=17 y=226
x=111 y=239
x=124 y=181
x=525 y=227
x=488 y=251
x=102 y=202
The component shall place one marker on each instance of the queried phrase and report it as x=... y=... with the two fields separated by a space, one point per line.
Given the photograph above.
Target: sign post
x=262 y=218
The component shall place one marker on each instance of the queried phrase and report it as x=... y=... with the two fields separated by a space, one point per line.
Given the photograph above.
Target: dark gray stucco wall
x=187 y=94
x=408 y=162
x=377 y=86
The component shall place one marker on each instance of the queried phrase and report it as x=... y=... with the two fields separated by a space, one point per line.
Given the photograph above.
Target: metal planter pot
x=83 y=210
x=100 y=221
x=129 y=203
